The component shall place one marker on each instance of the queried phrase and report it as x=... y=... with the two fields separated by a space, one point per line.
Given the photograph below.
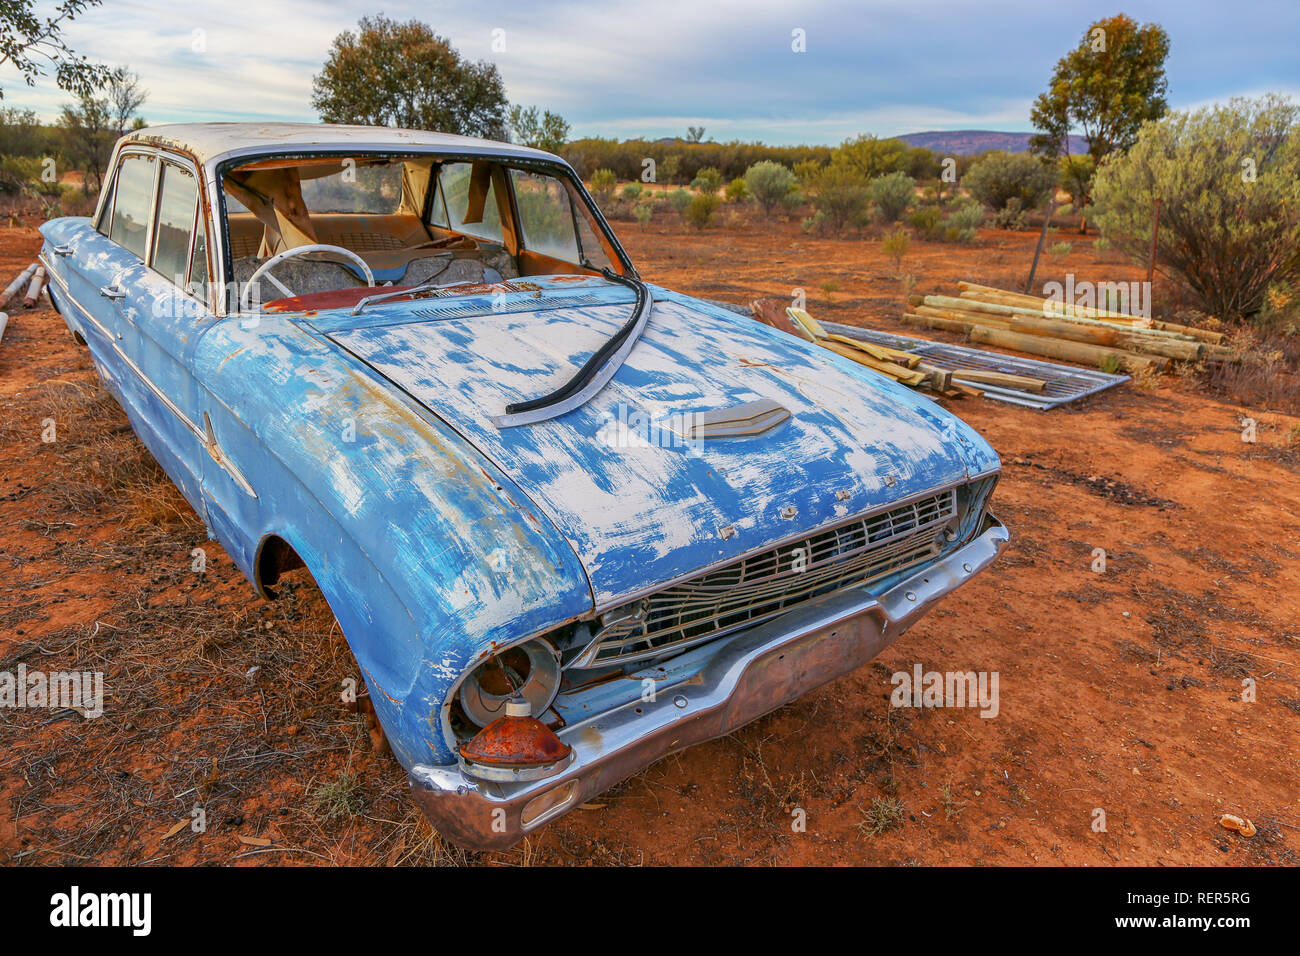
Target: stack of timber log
x=1086 y=336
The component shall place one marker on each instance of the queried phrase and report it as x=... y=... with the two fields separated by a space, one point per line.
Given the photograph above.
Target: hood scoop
x=736 y=421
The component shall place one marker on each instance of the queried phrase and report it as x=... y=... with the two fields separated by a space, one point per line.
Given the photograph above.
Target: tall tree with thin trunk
x=1106 y=87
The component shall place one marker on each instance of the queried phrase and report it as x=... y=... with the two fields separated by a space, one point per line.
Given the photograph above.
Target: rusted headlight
x=530 y=670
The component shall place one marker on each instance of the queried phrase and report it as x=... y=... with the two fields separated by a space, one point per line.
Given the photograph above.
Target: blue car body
x=364 y=445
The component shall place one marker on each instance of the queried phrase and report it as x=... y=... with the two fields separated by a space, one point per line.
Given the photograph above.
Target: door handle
x=62 y=250
x=112 y=292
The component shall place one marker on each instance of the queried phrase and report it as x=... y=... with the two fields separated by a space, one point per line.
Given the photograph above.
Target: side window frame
x=160 y=180
x=110 y=204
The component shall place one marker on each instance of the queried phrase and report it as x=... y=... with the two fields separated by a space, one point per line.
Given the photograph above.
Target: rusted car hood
x=638 y=504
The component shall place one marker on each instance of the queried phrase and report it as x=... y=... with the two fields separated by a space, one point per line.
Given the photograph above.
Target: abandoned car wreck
x=569 y=522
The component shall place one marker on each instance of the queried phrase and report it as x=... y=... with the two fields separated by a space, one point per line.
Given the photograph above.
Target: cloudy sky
x=653 y=67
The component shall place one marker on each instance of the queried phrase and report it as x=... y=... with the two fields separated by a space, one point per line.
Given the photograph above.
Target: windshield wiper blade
x=595 y=372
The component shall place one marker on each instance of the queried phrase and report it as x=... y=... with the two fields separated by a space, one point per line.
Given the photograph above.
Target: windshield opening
x=428 y=221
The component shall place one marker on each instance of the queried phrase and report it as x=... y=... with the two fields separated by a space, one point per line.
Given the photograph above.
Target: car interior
x=414 y=220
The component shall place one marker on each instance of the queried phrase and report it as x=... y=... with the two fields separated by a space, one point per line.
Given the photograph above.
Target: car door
x=89 y=264
x=139 y=324
x=163 y=304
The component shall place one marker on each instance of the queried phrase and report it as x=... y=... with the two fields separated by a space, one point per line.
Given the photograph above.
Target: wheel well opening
x=274 y=557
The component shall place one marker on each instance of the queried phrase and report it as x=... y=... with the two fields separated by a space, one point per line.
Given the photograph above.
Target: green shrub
x=895 y=245
x=961 y=224
x=632 y=191
x=707 y=180
x=770 y=183
x=841 y=199
x=700 y=210
x=1060 y=249
x=1011 y=216
x=926 y=221
x=997 y=178
x=679 y=199
x=892 y=194
x=603 y=182
x=1228 y=179
x=737 y=191
x=644 y=212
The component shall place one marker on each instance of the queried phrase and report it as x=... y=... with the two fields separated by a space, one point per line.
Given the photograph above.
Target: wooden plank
x=802 y=318
x=877 y=351
x=897 y=372
x=985 y=377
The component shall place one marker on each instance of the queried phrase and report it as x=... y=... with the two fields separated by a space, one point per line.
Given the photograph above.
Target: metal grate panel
x=1065 y=383
x=761 y=586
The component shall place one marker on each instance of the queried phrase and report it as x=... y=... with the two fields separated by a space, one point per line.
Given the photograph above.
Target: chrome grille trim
x=763 y=585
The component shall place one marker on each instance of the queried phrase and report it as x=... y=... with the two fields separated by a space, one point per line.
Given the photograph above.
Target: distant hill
x=968 y=142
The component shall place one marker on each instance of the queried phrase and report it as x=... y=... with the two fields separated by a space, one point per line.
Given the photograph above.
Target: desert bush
x=679 y=199
x=632 y=191
x=707 y=180
x=603 y=182
x=998 y=177
x=1060 y=249
x=961 y=224
x=841 y=199
x=736 y=190
x=895 y=244
x=700 y=210
x=926 y=221
x=1012 y=215
x=892 y=194
x=869 y=157
x=1229 y=183
x=770 y=183
x=644 y=212
x=22 y=174
x=807 y=170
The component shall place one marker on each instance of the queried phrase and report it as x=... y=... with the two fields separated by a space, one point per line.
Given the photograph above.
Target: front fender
x=428 y=555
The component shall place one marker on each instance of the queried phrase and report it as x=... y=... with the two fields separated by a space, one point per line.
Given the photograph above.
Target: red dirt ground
x=1120 y=691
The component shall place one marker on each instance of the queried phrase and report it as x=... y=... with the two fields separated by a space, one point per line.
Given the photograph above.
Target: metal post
x=1051 y=206
x=1155 y=231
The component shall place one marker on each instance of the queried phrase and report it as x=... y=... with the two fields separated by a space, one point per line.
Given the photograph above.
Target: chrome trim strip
x=220 y=458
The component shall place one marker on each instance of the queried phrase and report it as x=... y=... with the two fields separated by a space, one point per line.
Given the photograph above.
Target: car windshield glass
x=352 y=187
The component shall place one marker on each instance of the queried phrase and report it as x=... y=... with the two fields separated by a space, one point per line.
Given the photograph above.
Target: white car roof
x=211 y=143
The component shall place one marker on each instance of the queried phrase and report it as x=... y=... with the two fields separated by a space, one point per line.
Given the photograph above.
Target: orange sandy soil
x=1120 y=690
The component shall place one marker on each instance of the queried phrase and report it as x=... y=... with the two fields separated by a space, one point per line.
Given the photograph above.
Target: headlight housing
x=530 y=670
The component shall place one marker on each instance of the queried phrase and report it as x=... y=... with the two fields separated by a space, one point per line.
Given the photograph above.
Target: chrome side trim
x=751 y=674
x=209 y=442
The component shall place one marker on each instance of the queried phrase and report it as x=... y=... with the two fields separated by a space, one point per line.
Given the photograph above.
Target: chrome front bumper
x=753 y=673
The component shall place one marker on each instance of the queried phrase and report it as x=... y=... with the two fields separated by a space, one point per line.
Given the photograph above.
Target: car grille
x=766 y=584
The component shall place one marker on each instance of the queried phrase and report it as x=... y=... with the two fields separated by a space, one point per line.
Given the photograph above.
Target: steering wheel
x=279 y=257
